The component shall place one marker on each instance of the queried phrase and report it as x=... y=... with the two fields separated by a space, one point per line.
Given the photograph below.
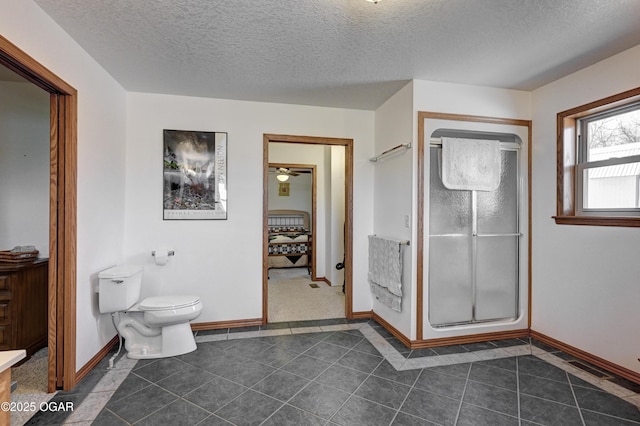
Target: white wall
x=221 y=260
x=24 y=166
x=299 y=198
x=101 y=141
x=585 y=278
x=336 y=216
x=394 y=189
x=469 y=100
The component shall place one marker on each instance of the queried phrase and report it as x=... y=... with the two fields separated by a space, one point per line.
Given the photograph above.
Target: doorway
x=345 y=217
x=61 y=338
x=292 y=201
x=296 y=291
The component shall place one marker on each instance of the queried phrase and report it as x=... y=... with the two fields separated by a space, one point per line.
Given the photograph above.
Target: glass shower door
x=473 y=248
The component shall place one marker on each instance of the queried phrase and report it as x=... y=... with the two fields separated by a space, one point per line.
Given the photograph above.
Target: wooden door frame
x=313 y=169
x=62 y=213
x=348 y=216
x=422 y=146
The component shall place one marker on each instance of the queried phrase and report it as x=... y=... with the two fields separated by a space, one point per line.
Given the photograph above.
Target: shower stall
x=476 y=243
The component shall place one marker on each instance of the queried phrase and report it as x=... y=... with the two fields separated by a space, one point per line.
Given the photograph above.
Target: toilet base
x=174 y=340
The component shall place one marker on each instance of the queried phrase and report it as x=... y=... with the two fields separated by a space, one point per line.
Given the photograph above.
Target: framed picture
x=194 y=175
x=283 y=189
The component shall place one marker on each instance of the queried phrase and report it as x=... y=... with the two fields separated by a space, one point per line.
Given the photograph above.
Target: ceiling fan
x=286 y=171
x=283 y=173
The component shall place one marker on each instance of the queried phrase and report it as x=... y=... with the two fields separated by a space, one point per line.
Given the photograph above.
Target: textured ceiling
x=342 y=53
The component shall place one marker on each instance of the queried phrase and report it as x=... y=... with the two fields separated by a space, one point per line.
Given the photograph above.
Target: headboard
x=288 y=219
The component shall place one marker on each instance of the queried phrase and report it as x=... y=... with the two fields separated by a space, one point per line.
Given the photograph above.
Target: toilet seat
x=161 y=303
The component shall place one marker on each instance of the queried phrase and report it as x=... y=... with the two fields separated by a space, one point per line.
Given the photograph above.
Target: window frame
x=583 y=163
x=569 y=166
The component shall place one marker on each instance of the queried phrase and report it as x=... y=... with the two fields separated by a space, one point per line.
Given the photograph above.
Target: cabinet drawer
x=4 y=282
x=4 y=312
x=5 y=332
x=5 y=287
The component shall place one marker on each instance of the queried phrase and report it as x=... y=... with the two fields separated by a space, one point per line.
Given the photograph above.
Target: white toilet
x=156 y=327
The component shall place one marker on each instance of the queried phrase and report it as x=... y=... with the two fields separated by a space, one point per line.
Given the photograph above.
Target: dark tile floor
x=340 y=378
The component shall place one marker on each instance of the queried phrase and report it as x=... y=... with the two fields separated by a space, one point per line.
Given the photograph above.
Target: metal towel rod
x=389 y=151
x=402 y=242
x=169 y=253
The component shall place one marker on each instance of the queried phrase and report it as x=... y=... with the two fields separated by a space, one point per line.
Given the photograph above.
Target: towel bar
x=170 y=253
x=389 y=151
x=401 y=242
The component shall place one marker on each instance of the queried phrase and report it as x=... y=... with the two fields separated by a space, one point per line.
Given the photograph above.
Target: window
x=608 y=170
x=599 y=162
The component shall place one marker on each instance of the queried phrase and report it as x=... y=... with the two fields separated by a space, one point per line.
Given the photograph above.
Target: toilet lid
x=159 y=303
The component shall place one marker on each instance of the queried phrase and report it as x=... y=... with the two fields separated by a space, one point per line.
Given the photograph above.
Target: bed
x=290 y=239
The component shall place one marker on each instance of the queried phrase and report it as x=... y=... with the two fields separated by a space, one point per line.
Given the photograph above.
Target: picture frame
x=194 y=175
x=283 y=189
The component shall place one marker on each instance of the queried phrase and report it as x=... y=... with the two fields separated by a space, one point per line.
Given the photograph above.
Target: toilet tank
x=119 y=287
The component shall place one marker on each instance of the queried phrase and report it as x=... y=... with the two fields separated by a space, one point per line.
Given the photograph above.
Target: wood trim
x=23 y=64
x=312 y=140
x=95 y=360
x=265 y=230
x=473 y=338
x=55 y=374
x=62 y=221
x=391 y=329
x=565 y=165
x=60 y=274
x=447 y=341
x=631 y=222
x=501 y=335
x=422 y=116
x=362 y=315
x=216 y=325
x=613 y=101
x=588 y=357
x=530 y=224
x=324 y=280
x=69 y=118
x=473 y=118
x=5 y=395
x=348 y=239
x=314 y=208
x=420 y=297
x=566 y=162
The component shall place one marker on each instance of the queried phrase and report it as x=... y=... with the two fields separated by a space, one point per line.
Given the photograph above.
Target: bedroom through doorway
x=305 y=231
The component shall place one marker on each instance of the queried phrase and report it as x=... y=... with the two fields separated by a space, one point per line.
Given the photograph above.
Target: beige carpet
x=32 y=375
x=292 y=299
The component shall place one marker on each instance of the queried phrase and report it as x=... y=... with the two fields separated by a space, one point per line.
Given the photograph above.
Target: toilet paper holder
x=170 y=253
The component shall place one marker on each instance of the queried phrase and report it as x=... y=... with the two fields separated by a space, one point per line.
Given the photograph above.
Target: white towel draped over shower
x=471 y=164
x=385 y=271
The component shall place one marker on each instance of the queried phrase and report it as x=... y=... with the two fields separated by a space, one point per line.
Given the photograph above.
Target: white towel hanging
x=471 y=164
x=385 y=271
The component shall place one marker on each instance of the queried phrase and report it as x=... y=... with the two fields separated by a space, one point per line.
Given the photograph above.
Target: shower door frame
x=420 y=219
x=475 y=235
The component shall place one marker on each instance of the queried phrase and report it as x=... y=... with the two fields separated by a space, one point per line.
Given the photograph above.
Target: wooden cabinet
x=23 y=306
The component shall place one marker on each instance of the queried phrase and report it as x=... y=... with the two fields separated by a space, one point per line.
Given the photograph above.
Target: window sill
x=625 y=221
